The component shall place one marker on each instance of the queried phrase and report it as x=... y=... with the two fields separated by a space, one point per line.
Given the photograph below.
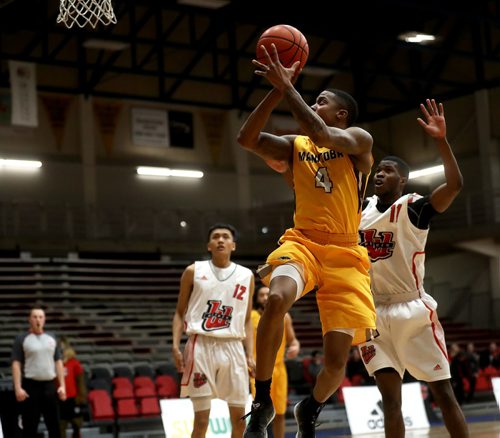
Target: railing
x=22 y=223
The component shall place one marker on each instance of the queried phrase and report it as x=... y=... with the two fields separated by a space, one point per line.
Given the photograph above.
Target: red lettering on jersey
x=216 y=317
x=239 y=291
x=395 y=209
x=380 y=244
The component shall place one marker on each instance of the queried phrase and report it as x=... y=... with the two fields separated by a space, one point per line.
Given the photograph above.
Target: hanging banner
x=57 y=110
x=150 y=127
x=23 y=89
x=106 y=114
x=213 y=123
x=363 y=405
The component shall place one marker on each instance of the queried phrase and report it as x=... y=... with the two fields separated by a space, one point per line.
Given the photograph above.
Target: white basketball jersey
x=396 y=248
x=218 y=305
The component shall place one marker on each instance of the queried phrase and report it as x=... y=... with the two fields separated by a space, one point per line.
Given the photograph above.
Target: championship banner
x=150 y=127
x=57 y=109
x=106 y=114
x=365 y=413
x=177 y=416
x=23 y=89
x=495 y=381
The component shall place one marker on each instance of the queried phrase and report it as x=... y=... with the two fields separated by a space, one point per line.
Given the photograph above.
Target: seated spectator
x=472 y=364
x=315 y=365
x=458 y=370
x=355 y=369
x=490 y=357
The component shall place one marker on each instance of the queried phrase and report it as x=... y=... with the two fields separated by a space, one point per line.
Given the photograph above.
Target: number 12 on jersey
x=239 y=291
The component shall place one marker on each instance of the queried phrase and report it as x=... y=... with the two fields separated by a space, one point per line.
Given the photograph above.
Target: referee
x=36 y=362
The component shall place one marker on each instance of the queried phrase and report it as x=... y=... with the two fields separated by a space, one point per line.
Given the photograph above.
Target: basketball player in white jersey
x=394 y=229
x=213 y=308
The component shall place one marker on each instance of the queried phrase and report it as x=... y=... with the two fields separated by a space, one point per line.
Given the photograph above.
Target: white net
x=83 y=12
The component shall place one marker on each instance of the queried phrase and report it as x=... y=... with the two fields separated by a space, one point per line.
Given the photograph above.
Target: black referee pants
x=42 y=400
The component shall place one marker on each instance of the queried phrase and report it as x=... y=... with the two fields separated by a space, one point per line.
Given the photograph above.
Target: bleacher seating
x=118 y=314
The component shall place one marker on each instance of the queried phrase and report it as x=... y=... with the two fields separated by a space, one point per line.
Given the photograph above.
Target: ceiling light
x=165 y=171
x=427 y=171
x=112 y=46
x=417 y=37
x=209 y=4
x=20 y=164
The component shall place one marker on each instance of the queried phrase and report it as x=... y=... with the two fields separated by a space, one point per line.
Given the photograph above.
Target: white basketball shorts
x=216 y=368
x=410 y=337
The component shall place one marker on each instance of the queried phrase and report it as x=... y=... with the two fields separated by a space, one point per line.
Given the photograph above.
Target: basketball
x=290 y=43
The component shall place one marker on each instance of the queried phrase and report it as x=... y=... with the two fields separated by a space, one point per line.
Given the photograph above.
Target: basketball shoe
x=306 y=419
x=261 y=415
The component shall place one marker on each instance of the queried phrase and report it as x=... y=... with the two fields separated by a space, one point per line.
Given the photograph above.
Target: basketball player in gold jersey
x=289 y=349
x=330 y=165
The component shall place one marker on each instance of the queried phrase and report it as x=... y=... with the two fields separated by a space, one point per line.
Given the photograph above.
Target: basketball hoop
x=83 y=12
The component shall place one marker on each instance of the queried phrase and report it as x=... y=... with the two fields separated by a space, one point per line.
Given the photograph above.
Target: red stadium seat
x=145 y=391
x=143 y=381
x=121 y=382
x=167 y=387
x=123 y=392
x=122 y=388
x=483 y=383
x=100 y=405
x=149 y=406
x=127 y=408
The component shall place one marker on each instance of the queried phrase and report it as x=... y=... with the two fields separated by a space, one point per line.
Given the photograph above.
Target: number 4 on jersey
x=323 y=180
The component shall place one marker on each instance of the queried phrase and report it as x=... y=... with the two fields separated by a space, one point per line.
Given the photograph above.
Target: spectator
x=356 y=370
x=36 y=362
x=315 y=365
x=490 y=357
x=458 y=370
x=76 y=391
x=472 y=362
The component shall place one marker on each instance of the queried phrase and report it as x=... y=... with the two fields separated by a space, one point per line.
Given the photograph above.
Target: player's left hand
x=435 y=123
x=274 y=71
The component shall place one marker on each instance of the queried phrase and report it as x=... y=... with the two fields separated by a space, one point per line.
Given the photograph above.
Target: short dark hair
x=404 y=169
x=348 y=102
x=36 y=307
x=224 y=226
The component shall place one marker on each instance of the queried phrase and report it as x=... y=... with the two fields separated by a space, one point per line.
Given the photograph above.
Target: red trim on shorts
x=431 y=312
x=189 y=360
x=433 y=325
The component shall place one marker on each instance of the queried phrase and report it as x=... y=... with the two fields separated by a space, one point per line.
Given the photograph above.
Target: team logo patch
x=217 y=316
x=199 y=379
x=368 y=352
x=380 y=244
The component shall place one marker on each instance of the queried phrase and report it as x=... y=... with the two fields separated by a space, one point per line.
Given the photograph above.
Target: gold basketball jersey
x=328 y=189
